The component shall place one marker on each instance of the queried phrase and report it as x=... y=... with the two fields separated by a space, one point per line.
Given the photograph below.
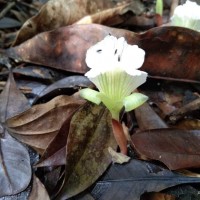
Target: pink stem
x=119 y=136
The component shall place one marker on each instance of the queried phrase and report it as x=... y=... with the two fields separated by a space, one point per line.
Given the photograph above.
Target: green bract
x=114 y=65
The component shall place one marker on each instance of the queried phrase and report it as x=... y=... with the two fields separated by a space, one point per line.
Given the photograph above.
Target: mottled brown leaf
x=87 y=149
x=58 y=13
x=176 y=148
x=171 y=52
x=40 y=124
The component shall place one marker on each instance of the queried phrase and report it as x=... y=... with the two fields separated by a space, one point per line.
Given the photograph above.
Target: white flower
x=187 y=15
x=114 y=65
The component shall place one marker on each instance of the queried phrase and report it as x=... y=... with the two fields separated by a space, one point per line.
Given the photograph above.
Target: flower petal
x=101 y=54
x=133 y=101
x=132 y=57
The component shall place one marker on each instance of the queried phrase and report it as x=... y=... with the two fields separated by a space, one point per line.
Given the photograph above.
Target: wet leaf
x=131 y=180
x=40 y=124
x=15 y=169
x=73 y=82
x=12 y=101
x=166 y=48
x=176 y=148
x=87 y=149
x=58 y=13
x=38 y=191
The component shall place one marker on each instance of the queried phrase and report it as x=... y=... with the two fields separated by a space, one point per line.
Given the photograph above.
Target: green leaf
x=133 y=101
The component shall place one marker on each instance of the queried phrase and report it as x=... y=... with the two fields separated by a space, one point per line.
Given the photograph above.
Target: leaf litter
x=73 y=137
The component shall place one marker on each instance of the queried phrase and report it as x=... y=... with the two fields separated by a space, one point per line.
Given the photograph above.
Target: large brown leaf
x=58 y=13
x=176 y=148
x=171 y=52
x=131 y=180
x=40 y=124
x=87 y=149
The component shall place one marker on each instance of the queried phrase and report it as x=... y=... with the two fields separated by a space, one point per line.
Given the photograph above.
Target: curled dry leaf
x=40 y=124
x=176 y=148
x=166 y=48
x=58 y=13
x=87 y=154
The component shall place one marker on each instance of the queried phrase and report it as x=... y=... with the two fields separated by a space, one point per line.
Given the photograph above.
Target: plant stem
x=119 y=136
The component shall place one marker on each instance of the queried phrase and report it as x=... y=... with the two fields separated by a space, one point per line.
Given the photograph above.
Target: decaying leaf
x=87 y=154
x=40 y=124
x=131 y=180
x=58 y=13
x=176 y=148
x=171 y=52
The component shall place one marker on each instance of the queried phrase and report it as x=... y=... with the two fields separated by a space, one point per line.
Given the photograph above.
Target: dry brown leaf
x=39 y=125
x=176 y=148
